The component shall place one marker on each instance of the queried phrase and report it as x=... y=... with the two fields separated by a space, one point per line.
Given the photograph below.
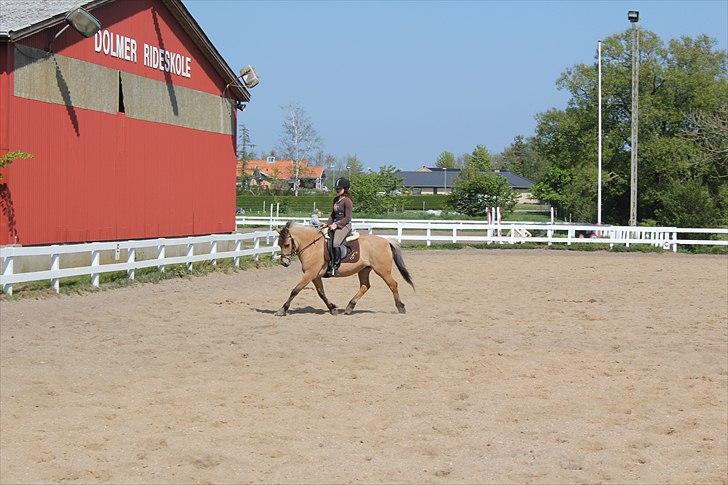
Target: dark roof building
x=440 y=181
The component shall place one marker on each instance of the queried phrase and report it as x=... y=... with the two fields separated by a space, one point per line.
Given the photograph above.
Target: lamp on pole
x=633 y=16
x=599 y=149
x=445 y=180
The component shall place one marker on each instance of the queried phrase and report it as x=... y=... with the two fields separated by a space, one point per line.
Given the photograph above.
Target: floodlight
x=633 y=16
x=249 y=76
x=85 y=23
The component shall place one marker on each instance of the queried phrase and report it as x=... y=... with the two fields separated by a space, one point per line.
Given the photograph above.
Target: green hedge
x=253 y=204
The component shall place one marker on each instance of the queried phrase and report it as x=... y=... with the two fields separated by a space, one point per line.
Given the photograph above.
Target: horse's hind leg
x=320 y=290
x=363 y=288
x=392 y=283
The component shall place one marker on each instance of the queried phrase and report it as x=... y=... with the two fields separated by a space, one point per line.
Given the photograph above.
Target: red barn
x=132 y=130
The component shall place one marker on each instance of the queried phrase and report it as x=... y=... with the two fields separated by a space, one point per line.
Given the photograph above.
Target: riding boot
x=337 y=260
x=333 y=252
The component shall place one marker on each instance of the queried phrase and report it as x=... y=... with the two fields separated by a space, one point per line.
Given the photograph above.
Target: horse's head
x=286 y=243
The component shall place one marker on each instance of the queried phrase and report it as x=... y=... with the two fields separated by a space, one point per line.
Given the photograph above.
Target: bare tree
x=299 y=140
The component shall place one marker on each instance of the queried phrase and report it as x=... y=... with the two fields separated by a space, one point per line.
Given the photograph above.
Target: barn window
x=121 y=96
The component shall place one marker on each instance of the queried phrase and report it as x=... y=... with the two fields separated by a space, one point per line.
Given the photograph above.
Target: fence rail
x=259 y=242
x=518 y=232
x=263 y=242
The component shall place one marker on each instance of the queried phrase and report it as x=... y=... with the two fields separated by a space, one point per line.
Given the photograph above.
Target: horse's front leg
x=306 y=279
x=320 y=290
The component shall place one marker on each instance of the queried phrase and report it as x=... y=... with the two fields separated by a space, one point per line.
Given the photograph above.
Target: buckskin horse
x=373 y=253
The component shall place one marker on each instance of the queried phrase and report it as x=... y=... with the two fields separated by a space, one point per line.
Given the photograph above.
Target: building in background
x=264 y=173
x=435 y=180
x=132 y=130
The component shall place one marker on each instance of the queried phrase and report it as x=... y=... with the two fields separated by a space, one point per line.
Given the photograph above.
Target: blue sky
x=398 y=82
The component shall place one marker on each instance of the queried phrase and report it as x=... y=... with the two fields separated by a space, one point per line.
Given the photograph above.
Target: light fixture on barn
x=83 y=22
x=250 y=80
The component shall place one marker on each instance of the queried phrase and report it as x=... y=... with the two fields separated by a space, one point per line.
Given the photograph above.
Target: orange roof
x=281 y=169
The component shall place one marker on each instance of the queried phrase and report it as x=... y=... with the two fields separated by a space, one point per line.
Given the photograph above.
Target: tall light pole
x=634 y=16
x=599 y=149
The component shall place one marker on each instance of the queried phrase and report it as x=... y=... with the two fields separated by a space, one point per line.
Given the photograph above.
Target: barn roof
x=442 y=178
x=22 y=18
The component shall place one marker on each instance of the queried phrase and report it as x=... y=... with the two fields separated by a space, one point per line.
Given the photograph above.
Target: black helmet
x=343 y=183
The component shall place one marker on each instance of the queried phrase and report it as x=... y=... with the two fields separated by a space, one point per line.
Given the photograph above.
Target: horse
x=375 y=253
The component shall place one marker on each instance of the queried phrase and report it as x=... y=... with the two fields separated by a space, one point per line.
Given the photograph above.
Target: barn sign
x=125 y=48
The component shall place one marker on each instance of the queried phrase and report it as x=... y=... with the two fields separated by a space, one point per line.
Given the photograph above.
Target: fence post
x=569 y=236
x=131 y=259
x=213 y=250
x=95 y=261
x=371 y=229
x=399 y=232
x=256 y=246
x=674 y=243
x=55 y=266
x=236 y=259
x=429 y=233
x=454 y=235
x=161 y=252
x=190 y=254
x=8 y=271
x=550 y=232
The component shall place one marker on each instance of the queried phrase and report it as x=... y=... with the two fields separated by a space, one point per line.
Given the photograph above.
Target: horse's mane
x=294 y=225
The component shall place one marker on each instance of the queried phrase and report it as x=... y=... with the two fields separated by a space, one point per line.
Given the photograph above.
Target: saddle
x=350 y=244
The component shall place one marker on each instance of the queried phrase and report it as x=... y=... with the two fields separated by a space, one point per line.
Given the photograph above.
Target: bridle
x=297 y=251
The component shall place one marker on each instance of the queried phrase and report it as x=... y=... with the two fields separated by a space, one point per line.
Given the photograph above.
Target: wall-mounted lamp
x=249 y=76
x=82 y=21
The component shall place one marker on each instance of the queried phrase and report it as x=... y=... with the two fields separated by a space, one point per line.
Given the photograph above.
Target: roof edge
x=198 y=35
x=183 y=16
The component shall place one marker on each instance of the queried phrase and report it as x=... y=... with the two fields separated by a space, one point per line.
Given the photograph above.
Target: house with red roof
x=263 y=172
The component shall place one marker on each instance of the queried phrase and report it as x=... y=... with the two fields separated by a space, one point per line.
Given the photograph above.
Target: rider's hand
x=333 y=226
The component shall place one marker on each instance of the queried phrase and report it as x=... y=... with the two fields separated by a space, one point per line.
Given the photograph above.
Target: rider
x=339 y=224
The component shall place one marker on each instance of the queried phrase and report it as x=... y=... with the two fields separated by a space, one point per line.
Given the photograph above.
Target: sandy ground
x=509 y=366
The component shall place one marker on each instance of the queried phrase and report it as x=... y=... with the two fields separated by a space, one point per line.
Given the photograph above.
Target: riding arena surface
x=509 y=366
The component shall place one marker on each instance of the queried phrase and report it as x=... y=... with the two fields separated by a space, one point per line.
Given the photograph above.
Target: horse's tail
x=397 y=256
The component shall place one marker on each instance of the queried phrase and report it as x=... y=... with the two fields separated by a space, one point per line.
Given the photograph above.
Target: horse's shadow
x=309 y=310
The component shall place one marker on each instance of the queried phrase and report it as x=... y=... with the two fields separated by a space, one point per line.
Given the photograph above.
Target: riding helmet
x=343 y=183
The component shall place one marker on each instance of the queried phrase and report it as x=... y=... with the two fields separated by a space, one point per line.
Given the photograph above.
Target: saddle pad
x=352 y=254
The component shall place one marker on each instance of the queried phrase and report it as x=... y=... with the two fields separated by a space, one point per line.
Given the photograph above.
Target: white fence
x=517 y=232
x=262 y=242
x=259 y=242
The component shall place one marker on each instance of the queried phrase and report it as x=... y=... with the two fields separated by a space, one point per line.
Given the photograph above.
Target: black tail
x=397 y=255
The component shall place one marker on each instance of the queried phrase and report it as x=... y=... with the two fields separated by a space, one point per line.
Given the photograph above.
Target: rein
x=297 y=252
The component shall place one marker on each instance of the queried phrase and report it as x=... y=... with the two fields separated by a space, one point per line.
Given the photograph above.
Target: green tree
x=475 y=190
x=446 y=160
x=376 y=192
x=679 y=82
x=480 y=159
x=522 y=158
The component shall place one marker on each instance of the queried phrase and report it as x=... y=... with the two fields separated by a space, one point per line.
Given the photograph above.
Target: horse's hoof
x=334 y=310
x=349 y=310
x=281 y=313
x=402 y=309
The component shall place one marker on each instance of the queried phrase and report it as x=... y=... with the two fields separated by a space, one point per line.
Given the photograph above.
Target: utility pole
x=599 y=149
x=633 y=17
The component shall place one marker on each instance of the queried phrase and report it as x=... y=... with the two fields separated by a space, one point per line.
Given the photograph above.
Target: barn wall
x=100 y=174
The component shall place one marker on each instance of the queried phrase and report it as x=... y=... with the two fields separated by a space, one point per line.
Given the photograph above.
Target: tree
x=474 y=191
x=376 y=192
x=353 y=164
x=299 y=140
x=522 y=158
x=680 y=81
x=480 y=159
x=245 y=154
x=446 y=160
